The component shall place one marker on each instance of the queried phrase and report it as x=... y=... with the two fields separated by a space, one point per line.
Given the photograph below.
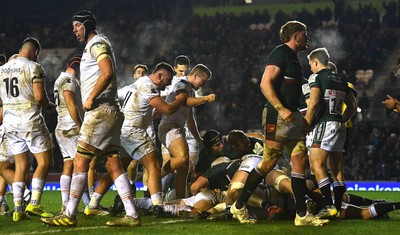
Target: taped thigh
x=278 y=181
x=111 y=151
x=296 y=147
x=85 y=152
x=272 y=153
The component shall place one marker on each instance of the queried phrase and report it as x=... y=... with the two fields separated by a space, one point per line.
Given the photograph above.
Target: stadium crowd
x=225 y=42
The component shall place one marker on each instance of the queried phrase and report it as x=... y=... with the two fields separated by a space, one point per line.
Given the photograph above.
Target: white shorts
x=34 y=141
x=170 y=132
x=5 y=154
x=249 y=162
x=151 y=132
x=212 y=196
x=192 y=144
x=67 y=141
x=101 y=127
x=309 y=139
x=189 y=201
x=330 y=136
x=137 y=143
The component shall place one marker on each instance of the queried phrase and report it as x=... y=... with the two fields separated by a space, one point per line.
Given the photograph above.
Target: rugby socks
x=91 y=190
x=175 y=209
x=65 y=184
x=265 y=204
x=339 y=188
x=300 y=191
x=358 y=201
x=144 y=203
x=78 y=184
x=325 y=187
x=253 y=180
x=37 y=190
x=18 y=191
x=156 y=198
x=95 y=200
x=27 y=194
x=125 y=192
x=383 y=208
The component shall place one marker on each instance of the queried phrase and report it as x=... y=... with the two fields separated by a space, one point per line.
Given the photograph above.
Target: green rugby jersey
x=333 y=93
x=288 y=84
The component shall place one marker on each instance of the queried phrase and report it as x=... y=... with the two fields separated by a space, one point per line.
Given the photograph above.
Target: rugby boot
x=60 y=220
x=126 y=221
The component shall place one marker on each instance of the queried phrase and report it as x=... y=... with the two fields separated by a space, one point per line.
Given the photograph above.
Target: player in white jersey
x=68 y=100
x=23 y=96
x=128 y=163
x=138 y=107
x=181 y=68
x=101 y=127
x=139 y=70
x=171 y=130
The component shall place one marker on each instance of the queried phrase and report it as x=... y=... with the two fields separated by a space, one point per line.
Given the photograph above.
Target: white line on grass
x=71 y=229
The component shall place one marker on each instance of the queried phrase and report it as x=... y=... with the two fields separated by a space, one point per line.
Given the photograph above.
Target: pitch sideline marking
x=70 y=229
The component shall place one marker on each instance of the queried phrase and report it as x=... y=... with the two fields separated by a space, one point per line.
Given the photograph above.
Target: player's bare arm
x=41 y=96
x=351 y=108
x=168 y=108
x=315 y=94
x=106 y=73
x=69 y=98
x=271 y=73
x=195 y=101
x=200 y=183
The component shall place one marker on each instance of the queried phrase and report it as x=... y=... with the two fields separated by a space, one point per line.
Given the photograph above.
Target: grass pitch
x=96 y=225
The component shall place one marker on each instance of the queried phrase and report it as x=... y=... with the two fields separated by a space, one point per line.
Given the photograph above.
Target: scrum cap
x=87 y=19
x=211 y=137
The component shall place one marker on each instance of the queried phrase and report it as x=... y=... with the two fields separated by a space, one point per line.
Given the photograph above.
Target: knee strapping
x=220 y=207
x=112 y=151
x=272 y=153
x=85 y=152
x=278 y=181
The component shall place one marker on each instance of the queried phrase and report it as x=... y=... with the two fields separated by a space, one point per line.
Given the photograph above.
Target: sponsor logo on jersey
x=271 y=128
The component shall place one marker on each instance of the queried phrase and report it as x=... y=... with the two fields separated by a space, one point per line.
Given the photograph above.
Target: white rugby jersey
x=136 y=106
x=90 y=71
x=180 y=116
x=121 y=93
x=165 y=92
x=66 y=82
x=20 y=110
